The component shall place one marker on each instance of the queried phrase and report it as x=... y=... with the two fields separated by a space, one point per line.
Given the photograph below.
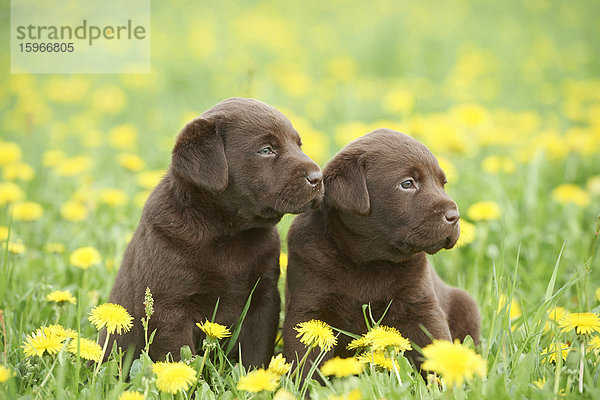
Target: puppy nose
x=314 y=178
x=452 y=216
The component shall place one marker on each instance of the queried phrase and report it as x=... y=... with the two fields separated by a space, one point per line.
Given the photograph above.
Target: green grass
x=469 y=79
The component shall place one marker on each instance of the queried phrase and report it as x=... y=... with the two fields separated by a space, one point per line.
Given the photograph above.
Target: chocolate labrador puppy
x=207 y=232
x=384 y=208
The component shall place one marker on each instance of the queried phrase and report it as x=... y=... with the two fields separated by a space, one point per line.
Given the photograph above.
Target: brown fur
x=367 y=244
x=208 y=233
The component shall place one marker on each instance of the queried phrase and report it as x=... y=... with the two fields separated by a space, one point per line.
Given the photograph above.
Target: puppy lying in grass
x=384 y=209
x=207 y=233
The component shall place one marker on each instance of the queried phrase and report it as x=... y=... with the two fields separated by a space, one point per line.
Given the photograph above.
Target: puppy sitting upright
x=384 y=208
x=208 y=233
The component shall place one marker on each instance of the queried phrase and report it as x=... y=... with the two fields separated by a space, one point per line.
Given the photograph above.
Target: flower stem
x=203 y=361
x=49 y=371
x=300 y=366
x=101 y=358
x=397 y=372
x=581 y=365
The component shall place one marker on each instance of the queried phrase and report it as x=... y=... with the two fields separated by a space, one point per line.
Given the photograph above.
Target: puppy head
x=248 y=154
x=390 y=187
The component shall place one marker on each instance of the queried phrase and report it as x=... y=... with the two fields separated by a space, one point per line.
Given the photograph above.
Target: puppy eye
x=407 y=184
x=266 y=151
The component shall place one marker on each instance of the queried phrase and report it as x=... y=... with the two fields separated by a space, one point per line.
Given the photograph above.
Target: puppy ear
x=199 y=156
x=345 y=184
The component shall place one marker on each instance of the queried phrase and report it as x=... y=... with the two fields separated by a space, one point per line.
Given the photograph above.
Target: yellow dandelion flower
x=4 y=233
x=9 y=153
x=278 y=366
x=468 y=233
x=453 y=361
x=549 y=353
x=149 y=179
x=584 y=323
x=569 y=193
x=88 y=349
x=131 y=162
x=16 y=247
x=594 y=343
x=316 y=333
x=85 y=257
x=18 y=171
x=113 y=197
x=5 y=374
x=342 y=367
x=443 y=136
x=174 y=377
x=130 y=395
x=553 y=144
x=496 y=164
x=214 y=330
x=10 y=193
x=359 y=343
x=556 y=313
x=60 y=331
x=123 y=136
x=515 y=307
x=470 y=114
x=384 y=337
x=40 y=342
x=381 y=338
x=378 y=358
x=73 y=211
x=540 y=383
x=27 y=211
x=74 y=166
x=55 y=247
x=259 y=380
x=61 y=296
x=484 y=211
x=112 y=316
x=283 y=394
x=51 y=158
x=283 y=262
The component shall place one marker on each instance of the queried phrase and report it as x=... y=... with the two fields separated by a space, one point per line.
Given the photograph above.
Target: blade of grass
x=240 y=321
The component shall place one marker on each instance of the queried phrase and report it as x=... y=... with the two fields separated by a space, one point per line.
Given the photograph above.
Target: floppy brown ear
x=199 y=155
x=345 y=184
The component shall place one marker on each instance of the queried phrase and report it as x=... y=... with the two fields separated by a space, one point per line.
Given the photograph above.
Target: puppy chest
x=202 y=295
x=379 y=289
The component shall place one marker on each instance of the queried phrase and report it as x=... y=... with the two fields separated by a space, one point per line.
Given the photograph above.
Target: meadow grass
x=506 y=94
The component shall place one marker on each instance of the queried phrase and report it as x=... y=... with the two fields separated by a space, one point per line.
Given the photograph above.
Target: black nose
x=314 y=178
x=452 y=216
